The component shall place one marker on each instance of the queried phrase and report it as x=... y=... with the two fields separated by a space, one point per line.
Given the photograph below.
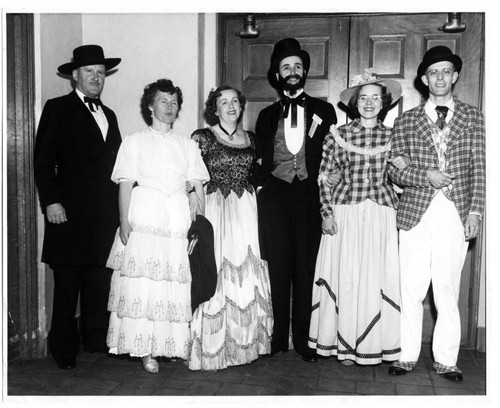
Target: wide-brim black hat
x=88 y=55
x=438 y=54
x=286 y=48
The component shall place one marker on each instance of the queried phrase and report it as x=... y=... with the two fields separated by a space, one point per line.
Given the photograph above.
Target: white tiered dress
x=150 y=298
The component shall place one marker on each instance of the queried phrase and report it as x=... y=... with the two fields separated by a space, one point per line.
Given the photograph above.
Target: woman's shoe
x=347 y=363
x=150 y=365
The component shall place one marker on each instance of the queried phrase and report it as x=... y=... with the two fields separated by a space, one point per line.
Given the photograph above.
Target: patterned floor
x=284 y=374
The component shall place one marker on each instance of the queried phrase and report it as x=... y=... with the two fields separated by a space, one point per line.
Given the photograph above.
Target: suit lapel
x=423 y=128
x=93 y=127
x=457 y=123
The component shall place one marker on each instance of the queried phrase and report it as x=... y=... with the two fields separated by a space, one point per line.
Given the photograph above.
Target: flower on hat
x=360 y=79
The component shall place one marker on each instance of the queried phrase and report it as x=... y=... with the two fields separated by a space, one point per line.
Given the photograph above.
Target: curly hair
x=211 y=104
x=386 y=102
x=150 y=91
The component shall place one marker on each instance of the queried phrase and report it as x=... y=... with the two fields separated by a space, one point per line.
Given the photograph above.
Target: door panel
x=342 y=46
x=325 y=38
x=394 y=46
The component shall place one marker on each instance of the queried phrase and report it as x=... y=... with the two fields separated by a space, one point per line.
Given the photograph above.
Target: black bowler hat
x=286 y=48
x=438 y=54
x=88 y=55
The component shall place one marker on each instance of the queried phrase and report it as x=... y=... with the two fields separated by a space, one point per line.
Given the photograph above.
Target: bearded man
x=289 y=140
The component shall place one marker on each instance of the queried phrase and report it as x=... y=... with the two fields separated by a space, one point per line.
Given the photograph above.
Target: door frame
x=24 y=337
x=477 y=259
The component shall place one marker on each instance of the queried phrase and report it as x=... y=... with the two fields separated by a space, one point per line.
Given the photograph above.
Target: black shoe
x=453 y=376
x=395 y=370
x=276 y=350
x=309 y=357
x=66 y=364
x=96 y=349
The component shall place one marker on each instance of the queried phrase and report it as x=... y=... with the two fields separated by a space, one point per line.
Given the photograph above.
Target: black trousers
x=289 y=234
x=92 y=283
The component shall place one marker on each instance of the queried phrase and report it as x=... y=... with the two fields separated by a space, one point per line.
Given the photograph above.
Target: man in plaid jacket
x=441 y=208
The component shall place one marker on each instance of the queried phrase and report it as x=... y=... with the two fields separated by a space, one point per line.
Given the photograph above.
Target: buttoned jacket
x=465 y=157
x=73 y=166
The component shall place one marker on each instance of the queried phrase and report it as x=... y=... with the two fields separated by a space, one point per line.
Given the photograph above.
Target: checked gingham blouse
x=360 y=154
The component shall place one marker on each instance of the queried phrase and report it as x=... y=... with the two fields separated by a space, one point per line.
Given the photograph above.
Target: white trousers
x=432 y=251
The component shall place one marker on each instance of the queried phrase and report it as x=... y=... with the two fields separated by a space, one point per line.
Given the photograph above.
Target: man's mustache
x=293 y=76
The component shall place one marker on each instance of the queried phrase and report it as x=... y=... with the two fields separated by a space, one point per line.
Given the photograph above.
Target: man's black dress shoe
x=277 y=350
x=309 y=357
x=395 y=370
x=66 y=364
x=453 y=376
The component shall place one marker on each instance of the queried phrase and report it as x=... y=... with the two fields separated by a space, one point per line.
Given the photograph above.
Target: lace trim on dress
x=140 y=346
x=158 y=231
x=254 y=311
x=151 y=268
x=229 y=165
x=160 y=311
x=250 y=266
x=231 y=353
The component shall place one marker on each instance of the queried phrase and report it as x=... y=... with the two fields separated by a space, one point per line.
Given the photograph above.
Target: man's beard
x=292 y=88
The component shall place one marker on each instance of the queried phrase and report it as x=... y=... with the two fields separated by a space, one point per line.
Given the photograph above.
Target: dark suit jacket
x=465 y=154
x=267 y=125
x=202 y=262
x=73 y=166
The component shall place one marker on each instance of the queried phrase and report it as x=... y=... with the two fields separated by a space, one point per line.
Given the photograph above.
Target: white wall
x=152 y=46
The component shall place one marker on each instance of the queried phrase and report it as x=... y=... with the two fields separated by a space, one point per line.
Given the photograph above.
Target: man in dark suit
x=289 y=140
x=440 y=209
x=76 y=146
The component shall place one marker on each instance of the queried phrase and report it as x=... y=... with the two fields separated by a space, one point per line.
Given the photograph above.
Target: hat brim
x=454 y=59
x=68 y=68
x=393 y=88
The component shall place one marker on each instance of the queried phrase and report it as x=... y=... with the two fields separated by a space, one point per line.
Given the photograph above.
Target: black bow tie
x=293 y=102
x=93 y=103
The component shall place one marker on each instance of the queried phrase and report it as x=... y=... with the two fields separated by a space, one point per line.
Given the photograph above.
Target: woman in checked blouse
x=356 y=296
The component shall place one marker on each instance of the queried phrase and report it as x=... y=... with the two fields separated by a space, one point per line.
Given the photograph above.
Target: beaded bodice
x=229 y=165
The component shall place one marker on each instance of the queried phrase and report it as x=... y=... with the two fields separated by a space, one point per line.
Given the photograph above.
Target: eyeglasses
x=445 y=72
x=373 y=98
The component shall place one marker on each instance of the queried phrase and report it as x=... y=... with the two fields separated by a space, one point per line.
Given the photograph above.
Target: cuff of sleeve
x=477 y=213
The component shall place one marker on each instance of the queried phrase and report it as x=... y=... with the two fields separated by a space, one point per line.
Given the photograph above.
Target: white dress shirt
x=98 y=115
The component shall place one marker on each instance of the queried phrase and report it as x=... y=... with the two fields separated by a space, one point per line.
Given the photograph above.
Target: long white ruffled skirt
x=235 y=325
x=150 y=298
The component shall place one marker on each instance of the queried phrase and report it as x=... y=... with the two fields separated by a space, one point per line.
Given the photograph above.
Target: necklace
x=231 y=136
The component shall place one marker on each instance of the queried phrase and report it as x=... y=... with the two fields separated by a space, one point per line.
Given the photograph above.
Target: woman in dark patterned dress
x=234 y=327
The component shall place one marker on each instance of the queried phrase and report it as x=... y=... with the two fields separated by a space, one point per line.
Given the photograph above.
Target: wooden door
x=342 y=46
x=246 y=61
x=394 y=45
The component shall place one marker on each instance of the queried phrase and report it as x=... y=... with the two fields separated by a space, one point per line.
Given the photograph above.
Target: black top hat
x=88 y=55
x=287 y=48
x=438 y=54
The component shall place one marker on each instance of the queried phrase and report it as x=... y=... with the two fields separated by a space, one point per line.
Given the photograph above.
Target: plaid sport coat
x=465 y=157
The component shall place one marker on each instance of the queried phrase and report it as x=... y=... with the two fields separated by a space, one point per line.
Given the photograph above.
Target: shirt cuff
x=477 y=213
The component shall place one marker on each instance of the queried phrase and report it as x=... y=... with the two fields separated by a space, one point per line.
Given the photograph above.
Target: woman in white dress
x=356 y=297
x=149 y=300
x=234 y=327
